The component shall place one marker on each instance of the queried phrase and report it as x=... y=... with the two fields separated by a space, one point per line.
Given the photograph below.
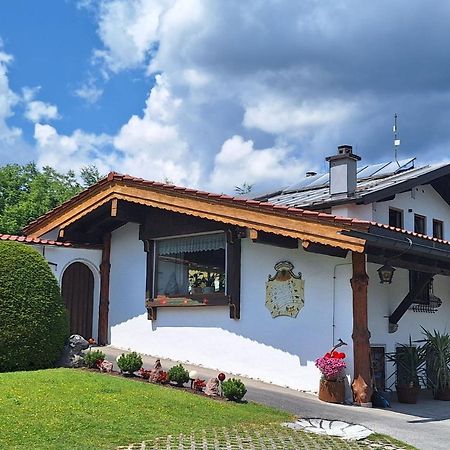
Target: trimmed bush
x=178 y=374
x=234 y=389
x=33 y=320
x=93 y=358
x=129 y=362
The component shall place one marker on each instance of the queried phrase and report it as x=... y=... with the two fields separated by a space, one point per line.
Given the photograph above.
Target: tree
x=90 y=175
x=243 y=189
x=34 y=321
x=27 y=192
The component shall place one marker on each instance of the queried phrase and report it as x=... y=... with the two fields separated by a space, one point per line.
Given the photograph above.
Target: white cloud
x=278 y=115
x=127 y=29
x=72 y=152
x=36 y=110
x=8 y=99
x=89 y=92
x=238 y=161
x=152 y=145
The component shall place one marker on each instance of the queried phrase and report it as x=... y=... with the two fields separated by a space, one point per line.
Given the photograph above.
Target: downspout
x=334 y=300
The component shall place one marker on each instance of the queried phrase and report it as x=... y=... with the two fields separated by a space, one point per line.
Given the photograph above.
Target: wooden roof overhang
x=405 y=250
x=100 y=203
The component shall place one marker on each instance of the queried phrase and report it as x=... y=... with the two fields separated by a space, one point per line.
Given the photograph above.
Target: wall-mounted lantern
x=386 y=273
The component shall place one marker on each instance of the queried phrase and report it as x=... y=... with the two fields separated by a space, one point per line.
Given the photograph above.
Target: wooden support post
x=362 y=380
x=103 y=310
x=234 y=274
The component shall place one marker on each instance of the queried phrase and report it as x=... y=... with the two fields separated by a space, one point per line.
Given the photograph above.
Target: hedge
x=33 y=320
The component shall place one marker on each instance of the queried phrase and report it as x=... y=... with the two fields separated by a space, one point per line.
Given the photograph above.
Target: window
x=420 y=224
x=396 y=218
x=424 y=297
x=438 y=229
x=191 y=265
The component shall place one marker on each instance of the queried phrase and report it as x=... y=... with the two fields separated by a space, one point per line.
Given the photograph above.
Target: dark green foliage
x=33 y=319
x=27 y=192
x=234 y=389
x=178 y=374
x=129 y=362
x=409 y=361
x=437 y=351
x=93 y=358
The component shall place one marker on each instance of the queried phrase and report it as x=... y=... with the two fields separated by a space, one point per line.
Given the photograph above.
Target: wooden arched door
x=78 y=295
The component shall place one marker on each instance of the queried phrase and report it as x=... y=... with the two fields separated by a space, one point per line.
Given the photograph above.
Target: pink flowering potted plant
x=332 y=367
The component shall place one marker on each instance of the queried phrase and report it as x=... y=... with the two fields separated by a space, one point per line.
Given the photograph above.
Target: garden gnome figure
x=155 y=373
x=212 y=387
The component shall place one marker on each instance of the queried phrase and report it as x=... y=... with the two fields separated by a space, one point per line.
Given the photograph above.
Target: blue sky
x=210 y=93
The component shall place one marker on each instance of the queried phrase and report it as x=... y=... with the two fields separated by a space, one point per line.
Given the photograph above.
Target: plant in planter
x=129 y=363
x=234 y=389
x=210 y=282
x=93 y=359
x=332 y=367
x=408 y=362
x=178 y=374
x=437 y=355
x=196 y=281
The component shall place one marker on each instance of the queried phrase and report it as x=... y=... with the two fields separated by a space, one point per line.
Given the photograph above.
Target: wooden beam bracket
x=401 y=309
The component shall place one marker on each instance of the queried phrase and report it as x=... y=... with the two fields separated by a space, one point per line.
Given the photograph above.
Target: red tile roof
x=228 y=199
x=38 y=241
x=224 y=198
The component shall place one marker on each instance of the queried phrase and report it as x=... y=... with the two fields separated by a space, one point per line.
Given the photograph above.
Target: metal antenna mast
x=396 y=139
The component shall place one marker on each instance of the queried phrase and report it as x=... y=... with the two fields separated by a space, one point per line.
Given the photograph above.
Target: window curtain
x=191 y=244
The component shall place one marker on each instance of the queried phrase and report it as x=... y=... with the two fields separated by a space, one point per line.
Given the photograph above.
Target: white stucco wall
x=280 y=350
x=423 y=200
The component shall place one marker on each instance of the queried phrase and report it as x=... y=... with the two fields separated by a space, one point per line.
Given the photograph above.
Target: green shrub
x=93 y=358
x=178 y=374
x=234 y=389
x=129 y=362
x=33 y=320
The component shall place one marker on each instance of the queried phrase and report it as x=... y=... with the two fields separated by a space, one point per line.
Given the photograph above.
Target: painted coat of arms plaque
x=285 y=291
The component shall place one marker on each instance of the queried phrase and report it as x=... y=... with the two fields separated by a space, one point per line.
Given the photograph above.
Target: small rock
x=72 y=355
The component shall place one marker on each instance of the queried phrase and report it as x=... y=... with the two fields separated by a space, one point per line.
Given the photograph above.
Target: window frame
x=401 y=215
x=424 y=219
x=440 y=223
x=189 y=296
x=231 y=296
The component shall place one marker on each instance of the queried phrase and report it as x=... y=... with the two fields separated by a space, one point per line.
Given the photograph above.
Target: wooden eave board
x=213 y=209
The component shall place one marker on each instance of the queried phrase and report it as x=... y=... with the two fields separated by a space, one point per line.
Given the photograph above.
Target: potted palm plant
x=408 y=362
x=437 y=350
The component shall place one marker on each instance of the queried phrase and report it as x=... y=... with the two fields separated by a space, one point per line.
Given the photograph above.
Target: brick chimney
x=343 y=171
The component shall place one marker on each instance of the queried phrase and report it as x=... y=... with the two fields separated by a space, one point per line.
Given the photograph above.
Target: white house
x=129 y=252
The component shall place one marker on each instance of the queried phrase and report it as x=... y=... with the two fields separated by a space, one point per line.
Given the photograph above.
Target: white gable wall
x=423 y=200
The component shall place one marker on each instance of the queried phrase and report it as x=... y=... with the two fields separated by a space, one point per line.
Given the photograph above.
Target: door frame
x=96 y=274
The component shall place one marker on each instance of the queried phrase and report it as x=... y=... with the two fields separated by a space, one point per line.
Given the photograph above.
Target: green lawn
x=75 y=409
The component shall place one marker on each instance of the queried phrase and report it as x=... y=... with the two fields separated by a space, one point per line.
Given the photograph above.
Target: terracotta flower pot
x=408 y=394
x=332 y=391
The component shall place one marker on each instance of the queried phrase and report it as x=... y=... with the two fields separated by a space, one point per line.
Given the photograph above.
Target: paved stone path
x=259 y=438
